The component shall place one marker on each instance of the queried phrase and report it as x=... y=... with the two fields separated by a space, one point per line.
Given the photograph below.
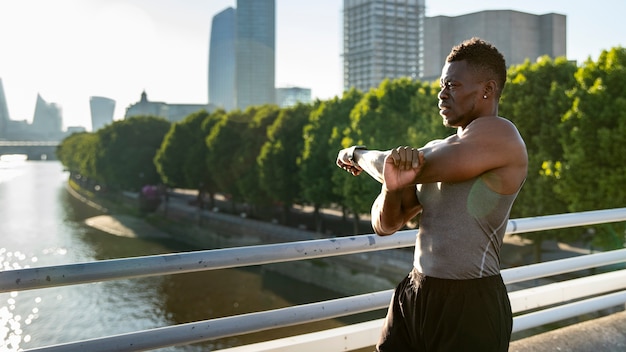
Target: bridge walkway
x=605 y=334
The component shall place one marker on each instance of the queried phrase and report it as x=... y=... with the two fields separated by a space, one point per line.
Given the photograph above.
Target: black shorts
x=430 y=314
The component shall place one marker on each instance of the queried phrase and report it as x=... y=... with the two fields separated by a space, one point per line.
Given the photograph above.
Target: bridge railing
x=564 y=298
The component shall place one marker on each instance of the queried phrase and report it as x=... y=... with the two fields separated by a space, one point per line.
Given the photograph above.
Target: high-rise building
x=255 y=51
x=517 y=35
x=291 y=96
x=101 y=112
x=4 y=112
x=222 y=60
x=48 y=120
x=381 y=39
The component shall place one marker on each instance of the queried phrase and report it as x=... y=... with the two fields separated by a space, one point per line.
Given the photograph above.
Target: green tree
x=254 y=136
x=278 y=157
x=180 y=161
x=77 y=153
x=224 y=142
x=536 y=99
x=321 y=143
x=381 y=120
x=126 y=152
x=593 y=172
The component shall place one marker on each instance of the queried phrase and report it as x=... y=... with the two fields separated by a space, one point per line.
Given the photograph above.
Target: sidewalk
x=606 y=334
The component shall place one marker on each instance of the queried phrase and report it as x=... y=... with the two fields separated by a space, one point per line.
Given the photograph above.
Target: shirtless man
x=464 y=186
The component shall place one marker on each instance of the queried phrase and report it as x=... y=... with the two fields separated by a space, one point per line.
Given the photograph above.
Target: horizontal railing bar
x=178 y=263
x=228 y=326
x=550 y=222
x=70 y=274
x=551 y=315
x=561 y=266
x=564 y=291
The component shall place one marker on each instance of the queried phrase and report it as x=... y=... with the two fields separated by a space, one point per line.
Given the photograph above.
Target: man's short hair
x=483 y=57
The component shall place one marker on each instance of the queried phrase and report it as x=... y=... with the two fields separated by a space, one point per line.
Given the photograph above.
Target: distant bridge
x=35 y=150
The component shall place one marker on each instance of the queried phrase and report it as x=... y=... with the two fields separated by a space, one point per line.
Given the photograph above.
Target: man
x=464 y=186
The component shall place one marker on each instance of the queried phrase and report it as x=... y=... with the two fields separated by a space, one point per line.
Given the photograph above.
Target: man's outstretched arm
x=355 y=161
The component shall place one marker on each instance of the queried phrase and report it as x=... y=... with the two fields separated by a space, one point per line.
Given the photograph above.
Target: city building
x=4 y=112
x=382 y=39
x=102 y=110
x=222 y=60
x=519 y=36
x=171 y=112
x=291 y=96
x=47 y=124
x=47 y=120
x=255 y=50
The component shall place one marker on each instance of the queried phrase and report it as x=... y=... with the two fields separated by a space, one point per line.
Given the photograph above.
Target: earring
x=484 y=97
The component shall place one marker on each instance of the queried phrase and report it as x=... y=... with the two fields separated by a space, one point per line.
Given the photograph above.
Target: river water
x=41 y=224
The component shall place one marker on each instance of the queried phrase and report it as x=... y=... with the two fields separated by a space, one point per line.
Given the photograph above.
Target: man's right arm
x=370 y=161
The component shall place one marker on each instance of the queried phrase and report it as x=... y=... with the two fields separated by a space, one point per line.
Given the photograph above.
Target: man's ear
x=490 y=87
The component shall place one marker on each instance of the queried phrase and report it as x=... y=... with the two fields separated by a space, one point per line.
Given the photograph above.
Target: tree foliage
x=593 y=170
x=536 y=99
x=254 y=137
x=78 y=153
x=385 y=118
x=127 y=149
x=278 y=168
x=322 y=141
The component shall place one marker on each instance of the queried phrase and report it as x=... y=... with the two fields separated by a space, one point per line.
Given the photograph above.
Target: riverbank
x=228 y=225
x=181 y=219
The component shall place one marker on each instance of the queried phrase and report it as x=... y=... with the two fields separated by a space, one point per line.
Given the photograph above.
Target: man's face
x=460 y=92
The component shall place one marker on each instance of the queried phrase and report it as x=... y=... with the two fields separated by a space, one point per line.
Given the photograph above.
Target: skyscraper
x=255 y=51
x=47 y=121
x=4 y=112
x=290 y=96
x=101 y=112
x=222 y=60
x=518 y=36
x=382 y=39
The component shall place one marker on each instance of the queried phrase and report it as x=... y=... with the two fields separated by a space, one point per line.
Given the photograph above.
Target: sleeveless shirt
x=461 y=229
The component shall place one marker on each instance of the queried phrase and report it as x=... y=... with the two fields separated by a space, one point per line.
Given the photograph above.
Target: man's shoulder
x=492 y=125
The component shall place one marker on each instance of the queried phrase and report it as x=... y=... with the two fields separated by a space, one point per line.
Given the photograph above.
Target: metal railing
x=607 y=290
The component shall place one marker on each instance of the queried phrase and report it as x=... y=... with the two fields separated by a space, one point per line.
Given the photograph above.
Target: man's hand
x=344 y=162
x=402 y=167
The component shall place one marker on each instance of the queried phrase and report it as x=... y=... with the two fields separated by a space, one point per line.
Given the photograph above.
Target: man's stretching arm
x=370 y=161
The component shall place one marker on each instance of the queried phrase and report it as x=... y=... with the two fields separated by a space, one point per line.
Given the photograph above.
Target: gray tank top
x=461 y=229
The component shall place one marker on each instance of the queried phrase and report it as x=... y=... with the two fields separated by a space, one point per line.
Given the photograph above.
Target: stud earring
x=484 y=97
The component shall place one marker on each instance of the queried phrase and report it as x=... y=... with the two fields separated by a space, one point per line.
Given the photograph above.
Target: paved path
x=606 y=334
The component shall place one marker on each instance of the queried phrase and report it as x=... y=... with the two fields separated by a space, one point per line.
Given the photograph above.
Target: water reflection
x=44 y=225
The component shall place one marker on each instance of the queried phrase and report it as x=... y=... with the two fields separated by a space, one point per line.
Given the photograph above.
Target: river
x=41 y=225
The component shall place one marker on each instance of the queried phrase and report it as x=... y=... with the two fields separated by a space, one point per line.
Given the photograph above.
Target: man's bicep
x=456 y=160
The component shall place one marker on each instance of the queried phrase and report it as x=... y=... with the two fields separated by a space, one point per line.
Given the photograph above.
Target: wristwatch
x=351 y=152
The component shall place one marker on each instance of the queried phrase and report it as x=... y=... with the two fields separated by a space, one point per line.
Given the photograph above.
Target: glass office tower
x=222 y=60
x=255 y=50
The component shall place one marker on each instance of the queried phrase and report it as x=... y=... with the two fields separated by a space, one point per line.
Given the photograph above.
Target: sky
x=69 y=50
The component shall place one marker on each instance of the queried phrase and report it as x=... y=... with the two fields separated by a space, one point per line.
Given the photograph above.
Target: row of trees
x=572 y=118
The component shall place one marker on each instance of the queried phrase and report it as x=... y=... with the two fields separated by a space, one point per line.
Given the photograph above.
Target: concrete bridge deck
x=606 y=334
